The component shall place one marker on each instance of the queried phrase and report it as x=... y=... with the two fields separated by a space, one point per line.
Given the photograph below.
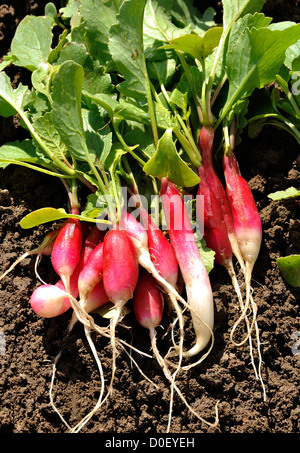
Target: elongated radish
x=246 y=220
x=148 y=303
x=216 y=237
x=248 y=230
x=148 y=310
x=120 y=277
x=45 y=248
x=194 y=273
x=92 y=272
x=139 y=237
x=66 y=250
x=215 y=230
x=219 y=228
x=164 y=259
x=206 y=142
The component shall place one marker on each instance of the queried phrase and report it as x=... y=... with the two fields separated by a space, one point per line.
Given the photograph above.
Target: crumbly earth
x=28 y=343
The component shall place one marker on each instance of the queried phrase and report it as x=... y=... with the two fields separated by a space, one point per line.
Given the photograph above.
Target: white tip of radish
x=202 y=311
x=48 y=301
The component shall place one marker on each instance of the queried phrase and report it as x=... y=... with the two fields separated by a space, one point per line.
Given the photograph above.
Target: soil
x=28 y=343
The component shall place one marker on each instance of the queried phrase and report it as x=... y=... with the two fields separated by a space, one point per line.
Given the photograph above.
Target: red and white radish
x=139 y=237
x=194 y=273
x=120 y=277
x=248 y=230
x=164 y=259
x=49 y=301
x=206 y=142
x=66 y=250
x=148 y=310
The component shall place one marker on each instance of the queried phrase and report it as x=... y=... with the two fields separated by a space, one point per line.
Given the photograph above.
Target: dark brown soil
x=29 y=343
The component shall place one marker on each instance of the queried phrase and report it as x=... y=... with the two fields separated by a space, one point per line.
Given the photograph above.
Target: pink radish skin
x=215 y=229
x=161 y=251
x=120 y=267
x=246 y=220
x=97 y=298
x=120 y=277
x=92 y=272
x=194 y=273
x=148 y=303
x=90 y=242
x=139 y=238
x=48 y=301
x=66 y=250
x=73 y=291
x=206 y=141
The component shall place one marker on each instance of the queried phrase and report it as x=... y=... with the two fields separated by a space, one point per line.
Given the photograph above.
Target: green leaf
x=207 y=254
x=12 y=99
x=197 y=46
x=283 y=194
x=95 y=81
x=17 y=151
x=167 y=163
x=98 y=135
x=289 y=267
x=45 y=215
x=185 y=14
x=92 y=208
x=253 y=60
x=98 y=16
x=292 y=55
x=234 y=9
x=41 y=216
x=67 y=118
x=31 y=44
x=127 y=51
x=45 y=128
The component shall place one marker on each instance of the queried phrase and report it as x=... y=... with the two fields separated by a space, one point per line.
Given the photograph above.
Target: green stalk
x=196 y=97
x=60 y=165
x=186 y=139
x=104 y=189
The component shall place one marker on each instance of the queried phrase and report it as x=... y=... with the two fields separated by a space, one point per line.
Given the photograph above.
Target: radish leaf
x=166 y=162
x=289 y=267
x=31 y=44
x=127 y=51
x=66 y=95
x=254 y=59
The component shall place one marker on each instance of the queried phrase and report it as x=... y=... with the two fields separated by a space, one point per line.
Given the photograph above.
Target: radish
x=219 y=232
x=139 y=237
x=148 y=309
x=148 y=304
x=164 y=259
x=248 y=230
x=246 y=220
x=120 y=277
x=49 y=301
x=194 y=273
x=206 y=141
x=91 y=273
x=66 y=250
